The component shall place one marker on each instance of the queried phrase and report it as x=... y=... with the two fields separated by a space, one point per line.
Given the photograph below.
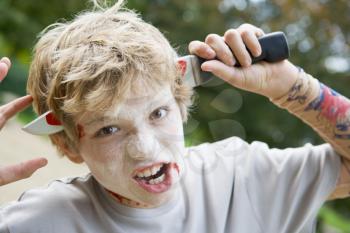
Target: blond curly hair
x=94 y=60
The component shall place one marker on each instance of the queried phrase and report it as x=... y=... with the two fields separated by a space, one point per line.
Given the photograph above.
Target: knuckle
x=202 y=48
x=197 y=47
x=245 y=34
x=209 y=39
x=247 y=26
x=192 y=46
x=194 y=43
x=231 y=34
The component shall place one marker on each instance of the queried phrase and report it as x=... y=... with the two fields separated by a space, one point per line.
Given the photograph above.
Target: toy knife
x=274 y=48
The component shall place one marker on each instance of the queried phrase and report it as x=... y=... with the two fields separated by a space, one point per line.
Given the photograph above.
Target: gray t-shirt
x=228 y=186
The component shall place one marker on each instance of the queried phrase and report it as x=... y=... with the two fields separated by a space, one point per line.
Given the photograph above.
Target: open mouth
x=156 y=178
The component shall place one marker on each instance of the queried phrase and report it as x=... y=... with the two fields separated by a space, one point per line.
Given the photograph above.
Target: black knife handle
x=274 y=47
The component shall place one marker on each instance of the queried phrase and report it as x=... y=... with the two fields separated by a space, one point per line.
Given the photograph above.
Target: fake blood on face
x=126 y=201
x=81 y=132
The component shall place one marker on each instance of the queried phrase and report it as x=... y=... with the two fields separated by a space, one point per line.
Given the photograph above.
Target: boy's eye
x=108 y=130
x=159 y=113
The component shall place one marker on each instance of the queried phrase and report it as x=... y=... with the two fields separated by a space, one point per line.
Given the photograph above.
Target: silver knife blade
x=191 y=71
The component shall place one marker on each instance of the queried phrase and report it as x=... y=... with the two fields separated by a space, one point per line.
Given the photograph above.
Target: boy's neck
x=127 y=202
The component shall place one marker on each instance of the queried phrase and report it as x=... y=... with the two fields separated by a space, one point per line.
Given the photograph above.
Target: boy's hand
x=272 y=80
x=25 y=169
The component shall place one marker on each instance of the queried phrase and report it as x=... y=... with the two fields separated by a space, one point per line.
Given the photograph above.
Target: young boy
x=113 y=83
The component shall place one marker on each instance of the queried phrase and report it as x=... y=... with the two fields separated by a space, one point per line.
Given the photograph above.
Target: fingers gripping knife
x=274 y=48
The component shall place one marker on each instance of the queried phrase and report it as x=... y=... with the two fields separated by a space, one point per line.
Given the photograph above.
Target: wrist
x=304 y=90
x=286 y=75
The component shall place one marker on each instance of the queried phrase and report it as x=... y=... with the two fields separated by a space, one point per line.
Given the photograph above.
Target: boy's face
x=136 y=148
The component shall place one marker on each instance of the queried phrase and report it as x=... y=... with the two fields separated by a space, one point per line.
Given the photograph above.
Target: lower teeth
x=157 y=180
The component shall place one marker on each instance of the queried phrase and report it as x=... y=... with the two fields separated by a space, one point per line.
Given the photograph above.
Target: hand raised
x=22 y=170
x=222 y=52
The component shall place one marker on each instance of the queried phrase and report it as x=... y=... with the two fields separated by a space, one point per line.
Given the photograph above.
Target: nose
x=143 y=147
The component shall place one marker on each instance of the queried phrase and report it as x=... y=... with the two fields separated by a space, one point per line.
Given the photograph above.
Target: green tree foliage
x=318 y=33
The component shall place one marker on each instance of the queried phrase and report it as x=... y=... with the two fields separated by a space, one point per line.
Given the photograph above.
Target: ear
x=71 y=152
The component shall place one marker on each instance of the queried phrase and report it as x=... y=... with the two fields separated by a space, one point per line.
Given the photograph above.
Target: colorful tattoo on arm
x=333 y=108
x=295 y=93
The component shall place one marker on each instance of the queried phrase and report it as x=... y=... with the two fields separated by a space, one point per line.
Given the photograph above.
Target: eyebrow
x=99 y=119
x=159 y=103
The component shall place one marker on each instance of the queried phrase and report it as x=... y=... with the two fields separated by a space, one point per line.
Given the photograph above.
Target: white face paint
x=136 y=149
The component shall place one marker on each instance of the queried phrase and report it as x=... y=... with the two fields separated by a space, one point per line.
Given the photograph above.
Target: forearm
x=326 y=111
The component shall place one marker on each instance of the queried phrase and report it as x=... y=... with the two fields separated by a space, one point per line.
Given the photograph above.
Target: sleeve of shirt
x=58 y=207
x=31 y=213
x=286 y=188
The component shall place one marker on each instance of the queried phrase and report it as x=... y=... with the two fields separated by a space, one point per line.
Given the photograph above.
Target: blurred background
x=318 y=32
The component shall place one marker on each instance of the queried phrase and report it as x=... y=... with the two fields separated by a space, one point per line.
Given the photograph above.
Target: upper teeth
x=149 y=171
